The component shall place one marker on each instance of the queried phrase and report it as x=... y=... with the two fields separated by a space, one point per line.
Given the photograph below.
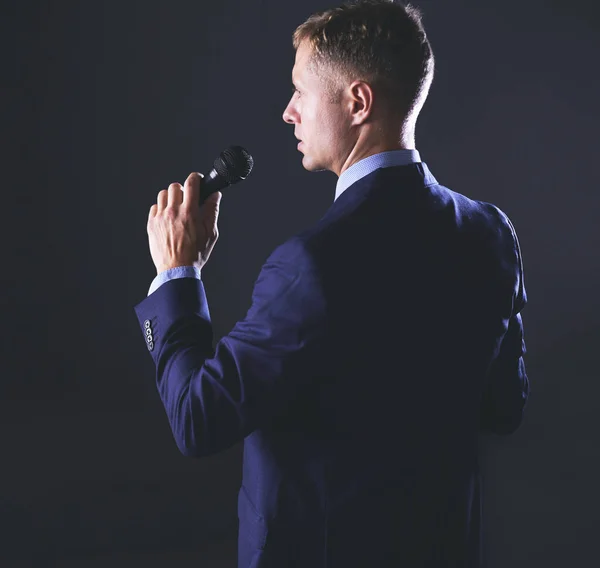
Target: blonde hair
x=381 y=42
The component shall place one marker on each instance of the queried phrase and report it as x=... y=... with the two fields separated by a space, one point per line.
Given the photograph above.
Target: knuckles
x=170 y=214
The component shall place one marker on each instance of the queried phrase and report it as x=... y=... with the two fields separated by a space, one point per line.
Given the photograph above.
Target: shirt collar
x=369 y=164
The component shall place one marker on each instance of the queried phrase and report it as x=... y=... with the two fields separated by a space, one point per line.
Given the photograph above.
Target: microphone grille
x=234 y=164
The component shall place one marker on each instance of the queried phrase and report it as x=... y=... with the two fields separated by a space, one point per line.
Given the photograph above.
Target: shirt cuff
x=171 y=274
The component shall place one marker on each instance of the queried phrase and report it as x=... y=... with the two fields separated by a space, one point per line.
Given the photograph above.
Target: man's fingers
x=152 y=212
x=161 y=200
x=175 y=195
x=191 y=190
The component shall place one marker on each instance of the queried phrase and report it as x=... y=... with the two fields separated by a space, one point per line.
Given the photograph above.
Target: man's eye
x=294 y=91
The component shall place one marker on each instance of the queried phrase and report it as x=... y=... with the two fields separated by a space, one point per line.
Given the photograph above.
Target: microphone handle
x=210 y=183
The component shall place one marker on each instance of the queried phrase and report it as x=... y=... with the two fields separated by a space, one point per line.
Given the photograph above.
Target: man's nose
x=288 y=116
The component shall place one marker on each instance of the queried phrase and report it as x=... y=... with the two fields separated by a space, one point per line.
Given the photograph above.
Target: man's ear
x=361 y=99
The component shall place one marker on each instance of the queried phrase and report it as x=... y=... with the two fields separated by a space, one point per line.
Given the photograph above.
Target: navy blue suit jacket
x=378 y=344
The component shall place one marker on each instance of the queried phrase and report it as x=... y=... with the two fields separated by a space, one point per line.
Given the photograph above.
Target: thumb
x=214 y=199
x=211 y=206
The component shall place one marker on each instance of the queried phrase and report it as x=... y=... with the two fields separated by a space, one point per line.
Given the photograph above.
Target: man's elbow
x=190 y=442
x=502 y=426
x=195 y=442
x=189 y=450
x=503 y=423
x=188 y=447
x=503 y=408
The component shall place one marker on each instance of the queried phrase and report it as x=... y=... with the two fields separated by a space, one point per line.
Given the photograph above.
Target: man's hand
x=181 y=233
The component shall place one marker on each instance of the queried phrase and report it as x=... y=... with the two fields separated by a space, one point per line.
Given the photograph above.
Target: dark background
x=106 y=103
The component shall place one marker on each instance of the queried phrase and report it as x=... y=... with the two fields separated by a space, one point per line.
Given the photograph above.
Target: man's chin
x=311 y=165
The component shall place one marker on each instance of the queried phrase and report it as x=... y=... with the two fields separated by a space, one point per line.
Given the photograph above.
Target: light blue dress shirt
x=371 y=163
x=351 y=175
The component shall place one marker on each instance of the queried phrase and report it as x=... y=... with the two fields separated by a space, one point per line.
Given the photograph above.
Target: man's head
x=361 y=76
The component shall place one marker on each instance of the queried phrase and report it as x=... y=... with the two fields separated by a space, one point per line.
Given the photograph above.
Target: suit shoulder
x=498 y=217
x=476 y=210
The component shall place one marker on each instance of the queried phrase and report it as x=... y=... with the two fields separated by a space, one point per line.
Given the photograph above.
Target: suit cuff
x=172 y=273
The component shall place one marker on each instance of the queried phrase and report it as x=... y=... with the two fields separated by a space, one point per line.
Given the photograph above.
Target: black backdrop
x=104 y=104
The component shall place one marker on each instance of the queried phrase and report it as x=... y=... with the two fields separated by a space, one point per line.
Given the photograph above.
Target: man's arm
x=214 y=398
x=507 y=387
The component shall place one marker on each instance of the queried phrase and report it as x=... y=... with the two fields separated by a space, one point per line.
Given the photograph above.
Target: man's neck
x=362 y=150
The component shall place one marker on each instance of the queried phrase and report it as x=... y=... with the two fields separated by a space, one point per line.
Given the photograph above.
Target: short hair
x=381 y=42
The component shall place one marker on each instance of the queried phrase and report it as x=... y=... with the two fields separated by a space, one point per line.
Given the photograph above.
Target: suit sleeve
x=171 y=274
x=507 y=388
x=215 y=397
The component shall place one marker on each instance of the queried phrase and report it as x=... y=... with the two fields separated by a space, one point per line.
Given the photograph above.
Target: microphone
x=233 y=165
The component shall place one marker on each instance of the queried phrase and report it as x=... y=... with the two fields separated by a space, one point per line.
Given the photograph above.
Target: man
x=379 y=342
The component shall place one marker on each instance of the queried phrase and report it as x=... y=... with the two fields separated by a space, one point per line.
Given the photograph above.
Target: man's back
x=373 y=461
